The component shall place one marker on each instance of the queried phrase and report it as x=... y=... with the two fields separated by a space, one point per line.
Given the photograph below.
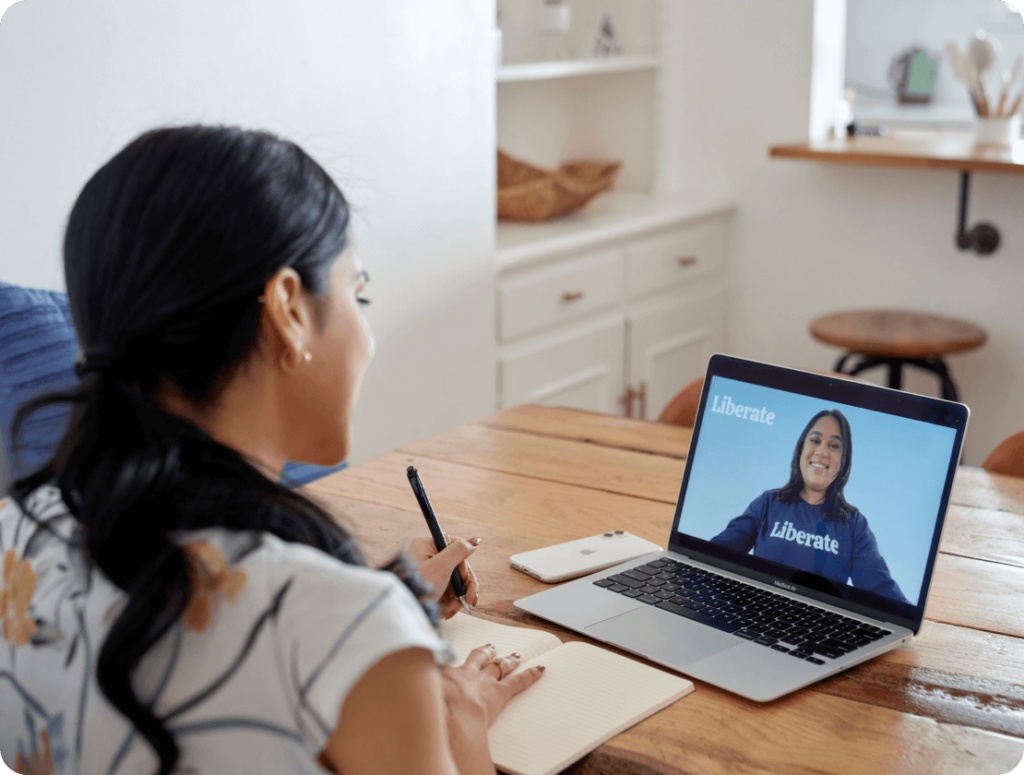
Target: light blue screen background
x=896 y=482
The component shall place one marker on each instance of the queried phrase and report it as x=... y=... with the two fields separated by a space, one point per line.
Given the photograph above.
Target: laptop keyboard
x=774 y=621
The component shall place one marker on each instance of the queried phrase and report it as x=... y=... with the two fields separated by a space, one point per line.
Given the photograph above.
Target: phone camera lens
x=607 y=535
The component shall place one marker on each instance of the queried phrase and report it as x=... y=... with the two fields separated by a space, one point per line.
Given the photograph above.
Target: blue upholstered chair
x=37 y=355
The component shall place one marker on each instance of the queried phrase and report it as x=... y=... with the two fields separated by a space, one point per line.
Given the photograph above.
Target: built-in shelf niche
x=635 y=20
x=549 y=112
x=609 y=118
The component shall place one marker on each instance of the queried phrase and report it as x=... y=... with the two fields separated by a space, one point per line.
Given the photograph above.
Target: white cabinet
x=679 y=257
x=669 y=345
x=618 y=325
x=613 y=308
x=581 y=367
x=557 y=294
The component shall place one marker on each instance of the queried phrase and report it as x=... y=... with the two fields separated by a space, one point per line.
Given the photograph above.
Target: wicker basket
x=528 y=193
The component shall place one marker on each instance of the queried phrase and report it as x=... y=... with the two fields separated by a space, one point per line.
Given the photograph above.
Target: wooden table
x=953 y=702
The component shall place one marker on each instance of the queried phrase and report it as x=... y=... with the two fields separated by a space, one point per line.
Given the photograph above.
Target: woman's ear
x=287 y=314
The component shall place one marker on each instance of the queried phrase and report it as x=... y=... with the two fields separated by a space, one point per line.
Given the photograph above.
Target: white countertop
x=611 y=216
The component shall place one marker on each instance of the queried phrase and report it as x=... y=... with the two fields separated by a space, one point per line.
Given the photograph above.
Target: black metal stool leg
x=938 y=367
x=896 y=374
x=866 y=362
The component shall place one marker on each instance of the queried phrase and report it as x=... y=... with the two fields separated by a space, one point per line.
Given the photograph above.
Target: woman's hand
x=484 y=684
x=436 y=568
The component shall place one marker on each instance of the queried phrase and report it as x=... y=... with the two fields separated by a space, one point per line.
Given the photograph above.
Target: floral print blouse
x=252 y=679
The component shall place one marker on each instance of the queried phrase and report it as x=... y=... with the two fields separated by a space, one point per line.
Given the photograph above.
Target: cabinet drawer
x=672 y=259
x=582 y=369
x=560 y=293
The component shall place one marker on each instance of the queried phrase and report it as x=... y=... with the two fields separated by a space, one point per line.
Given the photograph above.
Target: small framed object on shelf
x=606 y=38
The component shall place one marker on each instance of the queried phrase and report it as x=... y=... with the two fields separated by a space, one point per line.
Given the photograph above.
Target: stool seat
x=898 y=338
x=897 y=333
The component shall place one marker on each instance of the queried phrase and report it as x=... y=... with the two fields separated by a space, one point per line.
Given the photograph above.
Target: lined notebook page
x=466 y=633
x=586 y=696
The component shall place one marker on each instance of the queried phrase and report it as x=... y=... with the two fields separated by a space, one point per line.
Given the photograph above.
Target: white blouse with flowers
x=251 y=680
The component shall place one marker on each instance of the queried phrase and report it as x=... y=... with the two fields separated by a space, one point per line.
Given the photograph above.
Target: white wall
x=394 y=97
x=813 y=238
x=737 y=77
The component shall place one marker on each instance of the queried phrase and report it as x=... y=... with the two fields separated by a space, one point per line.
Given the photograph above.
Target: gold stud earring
x=306 y=358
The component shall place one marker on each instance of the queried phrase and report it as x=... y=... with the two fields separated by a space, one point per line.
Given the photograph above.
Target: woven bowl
x=528 y=193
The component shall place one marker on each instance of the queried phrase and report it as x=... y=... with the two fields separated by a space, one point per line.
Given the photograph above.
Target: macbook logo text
x=725 y=406
x=790 y=587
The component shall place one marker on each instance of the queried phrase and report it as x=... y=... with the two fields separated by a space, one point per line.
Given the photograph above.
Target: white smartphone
x=583 y=556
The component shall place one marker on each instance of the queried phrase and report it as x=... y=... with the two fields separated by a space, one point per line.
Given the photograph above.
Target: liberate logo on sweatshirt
x=787 y=532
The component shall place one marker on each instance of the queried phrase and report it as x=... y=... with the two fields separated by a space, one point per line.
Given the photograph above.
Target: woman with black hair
x=166 y=604
x=807 y=524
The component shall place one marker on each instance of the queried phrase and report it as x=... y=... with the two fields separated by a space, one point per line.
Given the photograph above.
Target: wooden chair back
x=682 y=409
x=1007 y=457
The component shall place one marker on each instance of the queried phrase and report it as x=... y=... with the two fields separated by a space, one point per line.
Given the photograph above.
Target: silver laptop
x=804 y=537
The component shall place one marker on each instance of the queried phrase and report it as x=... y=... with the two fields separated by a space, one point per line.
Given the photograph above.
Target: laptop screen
x=835 y=492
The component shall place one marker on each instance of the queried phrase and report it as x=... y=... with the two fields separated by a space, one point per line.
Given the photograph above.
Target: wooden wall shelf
x=922 y=150
x=919 y=150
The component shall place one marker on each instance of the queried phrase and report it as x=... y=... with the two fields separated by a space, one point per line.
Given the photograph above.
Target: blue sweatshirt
x=798 y=535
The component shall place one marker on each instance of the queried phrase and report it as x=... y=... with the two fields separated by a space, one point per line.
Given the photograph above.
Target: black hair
x=835 y=504
x=167 y=250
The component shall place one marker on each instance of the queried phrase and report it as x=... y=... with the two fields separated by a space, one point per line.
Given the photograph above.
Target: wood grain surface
x=985 y=534
x=982 y=490
x=638 y=435
x=892 y=333
x=915 y=150
x=950 y=702
x=611 y=469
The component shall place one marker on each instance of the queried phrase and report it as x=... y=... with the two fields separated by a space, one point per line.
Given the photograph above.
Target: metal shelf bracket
x=983 y=239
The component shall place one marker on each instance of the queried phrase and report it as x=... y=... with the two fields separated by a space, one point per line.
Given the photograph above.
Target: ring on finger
x=506 y=664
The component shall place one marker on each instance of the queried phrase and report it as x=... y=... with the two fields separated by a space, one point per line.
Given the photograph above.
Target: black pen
x=435 y=531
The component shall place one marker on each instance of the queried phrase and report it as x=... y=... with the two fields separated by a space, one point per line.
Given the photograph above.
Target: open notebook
x=587 y=695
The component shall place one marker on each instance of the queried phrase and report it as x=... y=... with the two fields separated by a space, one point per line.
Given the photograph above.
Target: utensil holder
x=997 y=132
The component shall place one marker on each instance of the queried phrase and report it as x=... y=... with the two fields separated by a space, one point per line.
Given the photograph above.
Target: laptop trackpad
x=670 y=640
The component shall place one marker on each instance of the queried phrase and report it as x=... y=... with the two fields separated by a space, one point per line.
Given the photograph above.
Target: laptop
x=804 y=536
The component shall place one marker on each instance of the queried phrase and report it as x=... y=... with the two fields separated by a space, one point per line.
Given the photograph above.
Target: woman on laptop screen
x=807 y=523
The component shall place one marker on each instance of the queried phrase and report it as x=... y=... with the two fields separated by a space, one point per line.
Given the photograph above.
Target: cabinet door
x=669 y=345
x=582 y=369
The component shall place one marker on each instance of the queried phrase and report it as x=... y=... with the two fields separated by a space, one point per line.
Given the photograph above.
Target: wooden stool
x=896 y=339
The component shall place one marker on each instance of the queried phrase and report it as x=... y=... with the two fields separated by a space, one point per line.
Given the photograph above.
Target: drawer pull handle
x=687 y=261
x=572 y=295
